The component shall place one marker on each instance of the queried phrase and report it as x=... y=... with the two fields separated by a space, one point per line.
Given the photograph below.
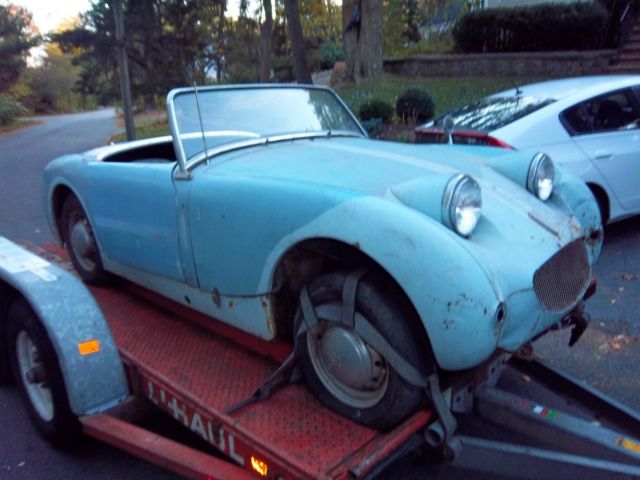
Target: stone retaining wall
x=553 y=64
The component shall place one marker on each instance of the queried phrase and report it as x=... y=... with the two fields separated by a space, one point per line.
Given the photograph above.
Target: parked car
x=591 y=125
x=269 y=209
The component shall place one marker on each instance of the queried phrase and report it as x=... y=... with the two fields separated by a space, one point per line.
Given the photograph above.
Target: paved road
x=23 y=155
x=608 y=356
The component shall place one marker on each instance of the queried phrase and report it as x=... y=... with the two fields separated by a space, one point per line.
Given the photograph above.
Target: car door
x=607 y=129
x=133 y=209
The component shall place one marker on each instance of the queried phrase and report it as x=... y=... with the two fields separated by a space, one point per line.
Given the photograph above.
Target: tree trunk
x=219 y=46
x=265 y=41
x=123 y=69
x=300 y=65
x=363 y=38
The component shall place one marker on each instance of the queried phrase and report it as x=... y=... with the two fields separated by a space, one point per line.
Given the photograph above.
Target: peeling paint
x=215 y=296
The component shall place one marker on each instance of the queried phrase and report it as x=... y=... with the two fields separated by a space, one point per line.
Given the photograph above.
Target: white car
x=591 y=125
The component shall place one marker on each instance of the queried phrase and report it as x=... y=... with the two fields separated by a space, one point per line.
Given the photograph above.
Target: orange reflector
x=89 y=347
x=259 y=467
x=629 y=445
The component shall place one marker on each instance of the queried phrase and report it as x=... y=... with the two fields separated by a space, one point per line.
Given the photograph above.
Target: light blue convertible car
x=269 y=209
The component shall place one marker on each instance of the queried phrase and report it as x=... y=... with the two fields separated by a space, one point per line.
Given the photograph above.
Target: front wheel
x=346 y=373
x=37 y=372
x=81 y=244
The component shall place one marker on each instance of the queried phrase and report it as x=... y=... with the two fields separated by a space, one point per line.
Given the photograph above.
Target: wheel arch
x=312 y=257
x=604 y=202
x=57 y=197
x=453 y=294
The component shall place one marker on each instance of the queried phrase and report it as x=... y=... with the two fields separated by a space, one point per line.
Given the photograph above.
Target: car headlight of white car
x=462 y=204
x=541 y=176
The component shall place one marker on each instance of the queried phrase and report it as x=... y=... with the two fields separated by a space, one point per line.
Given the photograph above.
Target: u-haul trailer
x=86 y=358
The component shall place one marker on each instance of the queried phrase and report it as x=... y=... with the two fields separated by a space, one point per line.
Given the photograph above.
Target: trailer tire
x=40 y=381
x=371 y=393
x=81 y=244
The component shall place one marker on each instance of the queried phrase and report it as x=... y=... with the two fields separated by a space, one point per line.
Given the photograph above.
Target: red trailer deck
x=194 y=374
x=195 y=368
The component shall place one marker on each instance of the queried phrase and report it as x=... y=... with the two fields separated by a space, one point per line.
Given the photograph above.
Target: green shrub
x=546 y=27
x=9 y=110
x=329 y=53
x=415 y=104
x=375 y=108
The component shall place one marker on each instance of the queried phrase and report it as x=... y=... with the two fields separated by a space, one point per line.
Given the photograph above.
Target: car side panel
x=132 y=208
x=617 y=156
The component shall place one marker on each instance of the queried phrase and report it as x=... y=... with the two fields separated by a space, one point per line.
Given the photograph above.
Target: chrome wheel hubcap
x=34 y=376
x=350 y=369
x=83 y=244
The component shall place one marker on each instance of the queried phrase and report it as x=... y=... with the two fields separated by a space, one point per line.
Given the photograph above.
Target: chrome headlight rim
x=459 y=189
x=540 y=163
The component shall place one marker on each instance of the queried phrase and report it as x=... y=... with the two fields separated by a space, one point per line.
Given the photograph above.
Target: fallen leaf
x=613 y=301
x=621 y=289
x=627 y=277
x=21 y=464
x=619 y=341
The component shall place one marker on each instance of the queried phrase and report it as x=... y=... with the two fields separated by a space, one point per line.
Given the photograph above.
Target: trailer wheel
x=81 y=244
x=37 y=372
x=348 y=375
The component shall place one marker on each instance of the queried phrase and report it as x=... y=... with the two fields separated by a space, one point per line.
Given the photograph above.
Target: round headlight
x=541 y=176
x=462 y=204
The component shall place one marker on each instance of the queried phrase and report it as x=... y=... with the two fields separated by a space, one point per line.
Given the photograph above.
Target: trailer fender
x=89 y=360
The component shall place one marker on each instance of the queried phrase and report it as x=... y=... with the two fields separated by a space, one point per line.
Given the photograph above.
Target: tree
x=17 y=36
x=363 y=38
x=298 y=50
x=265 y=41
x=49 y=84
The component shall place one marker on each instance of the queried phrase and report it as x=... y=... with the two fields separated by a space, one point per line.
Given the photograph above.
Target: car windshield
x=233 y=114
x=493 y=113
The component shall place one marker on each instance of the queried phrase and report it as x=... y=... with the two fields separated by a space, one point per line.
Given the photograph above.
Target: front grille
x=560 y=281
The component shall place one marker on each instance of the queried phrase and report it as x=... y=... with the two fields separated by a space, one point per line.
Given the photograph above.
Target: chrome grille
x=559 y=282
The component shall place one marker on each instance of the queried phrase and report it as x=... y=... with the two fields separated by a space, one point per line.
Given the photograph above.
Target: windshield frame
x=186 y=166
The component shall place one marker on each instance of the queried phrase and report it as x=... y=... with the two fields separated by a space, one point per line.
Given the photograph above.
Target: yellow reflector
x=89 y=347
x=259 y=467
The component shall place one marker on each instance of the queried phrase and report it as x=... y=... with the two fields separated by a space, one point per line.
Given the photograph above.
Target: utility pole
x=123 y=70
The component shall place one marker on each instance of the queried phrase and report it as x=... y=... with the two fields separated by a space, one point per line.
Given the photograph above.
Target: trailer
x=93 y=360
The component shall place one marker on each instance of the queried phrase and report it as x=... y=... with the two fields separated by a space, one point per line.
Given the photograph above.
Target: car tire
x=81 y=244
x=37 y=372
x=380 y=398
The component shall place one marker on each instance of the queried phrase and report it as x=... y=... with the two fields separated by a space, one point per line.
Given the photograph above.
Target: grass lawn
x=147 y=125
x=446 y=92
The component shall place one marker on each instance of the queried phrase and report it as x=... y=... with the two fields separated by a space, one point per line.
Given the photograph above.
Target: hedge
x=9 y=110
x=546 y=27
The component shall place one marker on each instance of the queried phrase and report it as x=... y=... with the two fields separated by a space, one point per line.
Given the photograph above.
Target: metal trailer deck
x=194 y=370
x=195 y=374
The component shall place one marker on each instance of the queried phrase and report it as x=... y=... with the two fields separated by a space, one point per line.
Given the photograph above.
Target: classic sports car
x=271 y=210
x=590 y=125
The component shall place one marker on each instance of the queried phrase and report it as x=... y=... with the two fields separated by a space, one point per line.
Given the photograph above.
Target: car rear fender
x=89 y=360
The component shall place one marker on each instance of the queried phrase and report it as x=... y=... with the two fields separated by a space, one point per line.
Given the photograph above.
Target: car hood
x=404 y=173
x=353 y=164
x=380 y=168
